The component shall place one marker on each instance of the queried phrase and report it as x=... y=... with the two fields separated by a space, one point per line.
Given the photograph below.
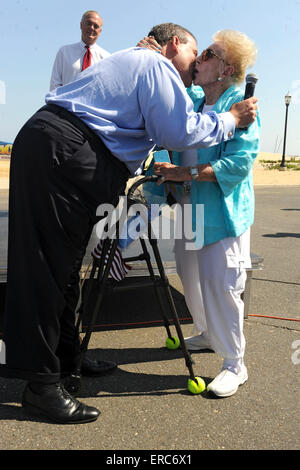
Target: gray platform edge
x=140 y=269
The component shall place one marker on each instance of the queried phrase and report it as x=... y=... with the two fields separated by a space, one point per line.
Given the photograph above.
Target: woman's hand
x=170 y=172
x=149 y=43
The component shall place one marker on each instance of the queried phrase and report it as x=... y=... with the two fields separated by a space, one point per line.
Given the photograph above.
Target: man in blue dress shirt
x=92 y=135
x=69 y=62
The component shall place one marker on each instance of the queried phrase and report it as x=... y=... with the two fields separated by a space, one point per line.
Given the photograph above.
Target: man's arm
x=169 y=116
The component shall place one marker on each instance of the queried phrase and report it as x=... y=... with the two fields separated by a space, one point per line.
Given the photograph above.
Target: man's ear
x=172 y=47
x=175 y=41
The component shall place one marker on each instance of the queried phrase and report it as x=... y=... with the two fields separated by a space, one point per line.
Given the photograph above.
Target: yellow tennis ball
x=172 y=343
x=196 y=386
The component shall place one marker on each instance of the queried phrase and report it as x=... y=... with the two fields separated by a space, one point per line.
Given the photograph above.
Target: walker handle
x=146 y=179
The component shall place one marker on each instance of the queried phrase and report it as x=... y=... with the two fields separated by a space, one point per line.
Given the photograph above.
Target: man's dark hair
x=162 y=33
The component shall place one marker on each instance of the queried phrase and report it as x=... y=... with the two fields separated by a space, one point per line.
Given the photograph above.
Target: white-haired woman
x=220 y=178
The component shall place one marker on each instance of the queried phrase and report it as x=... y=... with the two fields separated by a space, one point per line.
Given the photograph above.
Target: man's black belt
x=86 y=131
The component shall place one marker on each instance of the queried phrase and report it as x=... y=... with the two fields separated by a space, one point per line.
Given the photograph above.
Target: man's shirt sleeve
x=168 y=112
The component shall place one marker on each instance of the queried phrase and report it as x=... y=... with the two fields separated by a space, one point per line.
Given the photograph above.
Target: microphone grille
x=251 y=78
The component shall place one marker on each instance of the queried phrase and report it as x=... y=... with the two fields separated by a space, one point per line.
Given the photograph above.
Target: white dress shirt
x=68 y=62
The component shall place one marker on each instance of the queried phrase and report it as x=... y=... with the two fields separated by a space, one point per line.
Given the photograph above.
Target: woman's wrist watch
x=194 y=172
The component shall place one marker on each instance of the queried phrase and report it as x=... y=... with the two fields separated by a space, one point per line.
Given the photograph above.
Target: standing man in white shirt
x=72 y=59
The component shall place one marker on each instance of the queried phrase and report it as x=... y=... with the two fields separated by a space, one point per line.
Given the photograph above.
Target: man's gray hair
x=162 y=33
x=88 y=13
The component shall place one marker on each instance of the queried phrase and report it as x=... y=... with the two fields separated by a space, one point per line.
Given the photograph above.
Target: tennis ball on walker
x=196 y=386
x=172 y=343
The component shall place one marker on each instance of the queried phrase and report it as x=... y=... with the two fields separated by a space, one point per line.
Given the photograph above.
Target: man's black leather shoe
x=95 y=368
x=56 y=404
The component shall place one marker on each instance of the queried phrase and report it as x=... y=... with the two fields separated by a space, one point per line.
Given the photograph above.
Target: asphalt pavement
x=145 y=404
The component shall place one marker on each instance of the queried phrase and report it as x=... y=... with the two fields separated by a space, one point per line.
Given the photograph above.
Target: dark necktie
x=87 y=59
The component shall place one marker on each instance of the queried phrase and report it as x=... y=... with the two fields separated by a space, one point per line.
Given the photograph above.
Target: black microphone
x=251 y=81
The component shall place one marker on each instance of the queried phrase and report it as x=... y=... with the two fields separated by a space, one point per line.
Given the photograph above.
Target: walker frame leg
x=166 y=285
x=103 y=267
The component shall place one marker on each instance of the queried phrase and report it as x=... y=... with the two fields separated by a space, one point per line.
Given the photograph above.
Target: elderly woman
x=220 y=178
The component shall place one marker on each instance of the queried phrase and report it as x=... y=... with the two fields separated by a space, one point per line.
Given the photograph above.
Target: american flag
x=119 y=268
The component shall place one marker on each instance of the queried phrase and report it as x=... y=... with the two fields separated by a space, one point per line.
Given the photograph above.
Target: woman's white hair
x=240 y=51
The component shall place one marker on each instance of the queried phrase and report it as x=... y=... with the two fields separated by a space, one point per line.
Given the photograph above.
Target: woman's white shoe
x=227 y=383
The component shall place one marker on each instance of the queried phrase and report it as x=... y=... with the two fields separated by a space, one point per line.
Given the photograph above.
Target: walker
x=100 y=273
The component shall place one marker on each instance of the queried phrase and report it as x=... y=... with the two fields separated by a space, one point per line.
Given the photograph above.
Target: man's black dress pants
x=60 y=173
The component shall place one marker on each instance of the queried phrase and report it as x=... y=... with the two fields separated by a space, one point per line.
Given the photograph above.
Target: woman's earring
x=220 y=79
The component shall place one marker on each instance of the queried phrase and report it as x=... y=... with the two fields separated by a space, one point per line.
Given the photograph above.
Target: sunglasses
x=208 y=54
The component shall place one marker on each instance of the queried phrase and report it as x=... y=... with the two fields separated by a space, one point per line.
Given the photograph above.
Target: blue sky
x=32 y=32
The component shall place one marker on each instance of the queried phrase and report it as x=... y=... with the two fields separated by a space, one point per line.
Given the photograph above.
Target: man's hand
x=244 y=112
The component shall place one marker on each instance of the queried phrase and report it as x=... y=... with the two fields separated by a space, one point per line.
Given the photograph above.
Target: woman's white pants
x=213 y=280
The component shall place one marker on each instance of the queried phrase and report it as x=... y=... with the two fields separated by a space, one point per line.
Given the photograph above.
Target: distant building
x=5 y=150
